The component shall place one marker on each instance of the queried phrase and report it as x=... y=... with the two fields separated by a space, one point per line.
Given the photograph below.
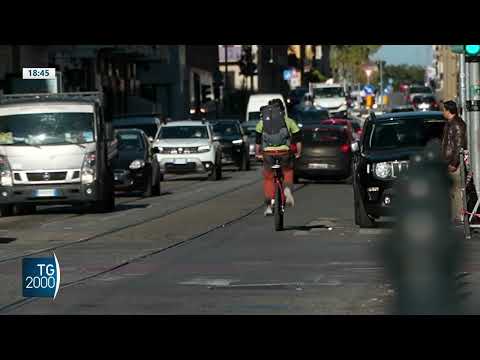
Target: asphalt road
x=204 y=247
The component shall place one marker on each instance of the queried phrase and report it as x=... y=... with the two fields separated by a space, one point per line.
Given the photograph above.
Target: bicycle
x=279 y=200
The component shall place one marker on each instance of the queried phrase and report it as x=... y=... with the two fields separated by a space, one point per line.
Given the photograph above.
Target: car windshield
x=47 y=129
x=183 y=132
x=420 y=89
x=321 y=136
x=329 y=92
x=311 y=117
x=226 y=129
x=129 y=141
x=150 y=129
x=402 y=133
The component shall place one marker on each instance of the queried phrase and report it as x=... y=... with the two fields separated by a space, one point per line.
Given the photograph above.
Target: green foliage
x=347 y=60
x=404 y=73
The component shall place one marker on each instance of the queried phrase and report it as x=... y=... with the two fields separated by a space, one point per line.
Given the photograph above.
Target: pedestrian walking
x=454 y=138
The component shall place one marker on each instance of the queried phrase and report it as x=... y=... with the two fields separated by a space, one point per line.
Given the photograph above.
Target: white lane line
x=208 y=282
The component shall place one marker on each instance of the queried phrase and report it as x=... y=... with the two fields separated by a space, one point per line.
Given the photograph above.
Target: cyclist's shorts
x=286 y=159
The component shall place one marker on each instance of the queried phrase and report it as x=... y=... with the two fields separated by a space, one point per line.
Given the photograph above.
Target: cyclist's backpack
x=275 y=131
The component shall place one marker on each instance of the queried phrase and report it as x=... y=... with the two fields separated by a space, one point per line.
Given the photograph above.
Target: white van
x=256 y=101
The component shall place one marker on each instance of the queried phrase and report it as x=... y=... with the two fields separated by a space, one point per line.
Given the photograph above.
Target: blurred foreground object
x=423 y=253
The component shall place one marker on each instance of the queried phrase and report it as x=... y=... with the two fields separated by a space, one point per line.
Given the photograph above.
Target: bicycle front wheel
x=278 y=210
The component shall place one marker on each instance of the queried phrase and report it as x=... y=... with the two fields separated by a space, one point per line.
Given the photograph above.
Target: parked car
x=234 y=142
x=149 y=124
x=383 y=155
x=188 y=147
x=135 y=168
x=326 y=152
x=425 y=103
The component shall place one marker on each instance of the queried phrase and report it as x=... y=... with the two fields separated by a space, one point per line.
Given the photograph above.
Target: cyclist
x=276 y=143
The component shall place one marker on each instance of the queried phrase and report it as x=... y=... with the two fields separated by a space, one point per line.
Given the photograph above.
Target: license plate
x=45 y=193
x=318 y=166
x=424 y=106
x=180 y=161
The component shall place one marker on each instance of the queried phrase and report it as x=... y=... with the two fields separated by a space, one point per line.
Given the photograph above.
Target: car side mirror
x=216 y=138
x=150 y=139
x=155 y=150
x=355 y=146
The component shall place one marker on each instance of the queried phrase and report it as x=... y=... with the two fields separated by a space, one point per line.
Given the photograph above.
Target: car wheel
x=362 y=218
x=107 y=204
x=148 y=191
x=6 y=210
x=157 y=188
x=244 y=163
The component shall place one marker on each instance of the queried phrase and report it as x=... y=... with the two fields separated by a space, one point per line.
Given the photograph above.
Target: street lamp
x=368 y=72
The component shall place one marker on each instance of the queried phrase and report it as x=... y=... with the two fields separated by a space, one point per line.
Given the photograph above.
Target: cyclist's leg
x=287 y=168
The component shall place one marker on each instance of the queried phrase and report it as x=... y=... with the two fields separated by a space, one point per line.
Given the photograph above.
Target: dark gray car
x=326 y=153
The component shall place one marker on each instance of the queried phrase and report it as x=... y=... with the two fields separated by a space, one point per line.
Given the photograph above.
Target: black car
x=149 y=124
x=383 y=155
x=295 y=97
x=135 y=168
x=235 y=144
x=326 y=152
x=305 y=116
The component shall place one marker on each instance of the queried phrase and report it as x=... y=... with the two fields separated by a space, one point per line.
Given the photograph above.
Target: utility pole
x=381 y=85
x=225 y=85
x=472 y=59
x=462 y=84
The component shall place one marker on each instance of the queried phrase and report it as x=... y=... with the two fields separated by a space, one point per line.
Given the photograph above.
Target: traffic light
x=472 y=50
x=472 y=53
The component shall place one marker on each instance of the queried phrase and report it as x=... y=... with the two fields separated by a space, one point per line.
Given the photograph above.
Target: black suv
x=234 y=141
x=383 y=154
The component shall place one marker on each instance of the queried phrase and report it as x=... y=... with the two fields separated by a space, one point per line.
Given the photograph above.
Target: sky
x=405 y=54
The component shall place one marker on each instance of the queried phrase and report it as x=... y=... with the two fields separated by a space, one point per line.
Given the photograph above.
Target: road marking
x=374 y=231
x=208 y=282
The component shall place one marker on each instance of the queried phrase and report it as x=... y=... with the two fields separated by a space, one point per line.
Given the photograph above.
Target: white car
x=183 y=147
x=331 y=97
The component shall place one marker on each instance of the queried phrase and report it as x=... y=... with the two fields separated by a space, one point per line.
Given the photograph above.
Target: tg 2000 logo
x=41 y=277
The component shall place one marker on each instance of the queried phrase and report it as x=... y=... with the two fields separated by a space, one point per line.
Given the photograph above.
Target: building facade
x=446 y=67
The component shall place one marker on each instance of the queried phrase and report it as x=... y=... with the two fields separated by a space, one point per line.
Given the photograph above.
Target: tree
x=347 y=60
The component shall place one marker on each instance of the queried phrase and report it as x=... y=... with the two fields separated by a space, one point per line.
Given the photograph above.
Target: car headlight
x=203 y=148
x=300 y=125
x=137 y=164
x=237 y=142
x=383 y=170
x=6 y=178
x=88 y=169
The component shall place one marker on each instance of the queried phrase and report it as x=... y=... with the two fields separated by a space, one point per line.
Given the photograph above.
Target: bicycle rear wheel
x=278 y=209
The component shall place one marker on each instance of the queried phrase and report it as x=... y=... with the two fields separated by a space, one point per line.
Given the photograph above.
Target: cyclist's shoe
x=268 y=211
x=289 y=197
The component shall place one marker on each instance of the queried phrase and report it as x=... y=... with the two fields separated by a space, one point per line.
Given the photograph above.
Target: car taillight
x=345 y=148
